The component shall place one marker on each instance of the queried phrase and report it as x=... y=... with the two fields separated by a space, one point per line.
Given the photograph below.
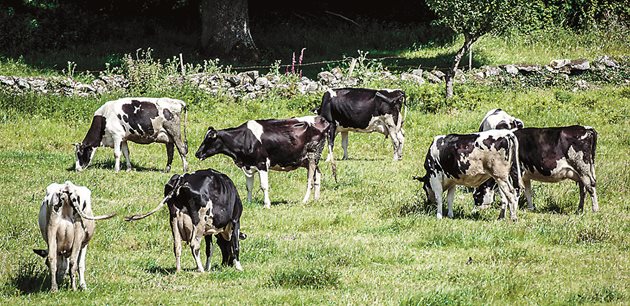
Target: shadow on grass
x=31 y=277
x=110 y=164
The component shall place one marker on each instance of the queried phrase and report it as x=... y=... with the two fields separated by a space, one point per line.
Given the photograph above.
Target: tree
x=225 y=30
x=475 y=18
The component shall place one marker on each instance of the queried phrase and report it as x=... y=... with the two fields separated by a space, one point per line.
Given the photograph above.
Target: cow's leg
x=74 y=253
x=249 y=183
x=436 y=186
x=264 y=185
x=309 y=181
x=509 y=195
x=82 y=254
x=125 y=151
x=449 y=199
x=182 y=149
x=224 y=245
x=593 y=193
x=177 y=243
x=318 y=182
x=588 y=181
x=52 y=255
x=170 y=149
x=393 y=134
x=527 y=185
x=582 y=196
x=209 y=247
x=117 y=149
x=236 y=246
x=195 y=248
x=344 y=144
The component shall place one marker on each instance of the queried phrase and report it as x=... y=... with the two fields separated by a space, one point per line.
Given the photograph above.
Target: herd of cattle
x=503 y=155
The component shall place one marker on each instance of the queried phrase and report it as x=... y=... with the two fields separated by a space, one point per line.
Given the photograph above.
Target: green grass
x=370 y=239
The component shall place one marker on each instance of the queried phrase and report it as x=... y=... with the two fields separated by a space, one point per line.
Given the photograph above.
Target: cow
x=202 y=204
x=271 y=144
x=469 y=160
x=497 y=119
x=140 y=120
x=363 y=110
x=67 y=225
x=552 y=155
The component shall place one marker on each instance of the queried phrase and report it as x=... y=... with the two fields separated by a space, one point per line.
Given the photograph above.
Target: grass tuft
x=309 y=278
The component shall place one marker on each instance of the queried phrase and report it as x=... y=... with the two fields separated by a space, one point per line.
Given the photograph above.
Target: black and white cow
x=552 y=155
x=469 y=160
x=263 y=145
x=497 y=119
x=140 y=120
x=67 y=225
x=364 y=110
x=202 y=204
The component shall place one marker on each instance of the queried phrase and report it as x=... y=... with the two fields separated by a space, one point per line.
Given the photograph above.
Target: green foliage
x=479 y=17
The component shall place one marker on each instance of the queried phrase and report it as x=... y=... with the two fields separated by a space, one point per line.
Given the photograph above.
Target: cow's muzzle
x=199 y=155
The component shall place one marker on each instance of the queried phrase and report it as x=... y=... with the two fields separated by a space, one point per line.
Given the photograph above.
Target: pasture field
x=370 y=239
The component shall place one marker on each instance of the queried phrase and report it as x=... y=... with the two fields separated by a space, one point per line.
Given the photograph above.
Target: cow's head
x=518 y=124
x=84 y=153
x=484 y=194
x=426 y=185
x=210 y=145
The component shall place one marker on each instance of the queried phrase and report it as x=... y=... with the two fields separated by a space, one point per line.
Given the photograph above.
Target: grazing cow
x=469 y=160
x=263 y=145
x=202 y=204
x=497 y=119
x=140 y=120
x=363 y=110
x=552 y=155
x=67 y=225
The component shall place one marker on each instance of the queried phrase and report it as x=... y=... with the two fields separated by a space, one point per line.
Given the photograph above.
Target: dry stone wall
x=252 y=84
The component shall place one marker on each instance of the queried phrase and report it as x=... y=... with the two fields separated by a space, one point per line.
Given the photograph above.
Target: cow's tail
x=185 y=124
x=593 y=150
x=78 y=210
x=516 y=161
x=404 y=104
x=138 y=217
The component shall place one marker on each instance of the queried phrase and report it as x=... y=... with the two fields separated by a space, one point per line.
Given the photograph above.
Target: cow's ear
x=42 y=253
x=212 y=133
x=171 y=183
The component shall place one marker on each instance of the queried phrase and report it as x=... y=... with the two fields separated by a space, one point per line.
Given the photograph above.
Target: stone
x=412 y=77
x=438 y=74
x=417 y=72
x=528 y=68
x=511 y=69
x=559 y=63
x=233 y=80
x=326 y=77
x=607 y=61
x=580 y=65
x=337 y=72
x=431 y=78
x=262 y=82
x=7 y=81
x=491 y=70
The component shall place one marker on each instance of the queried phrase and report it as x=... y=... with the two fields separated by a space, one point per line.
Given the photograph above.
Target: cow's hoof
x=595 y=209
x=168 y=169
x=237 y=265
x=514 y=219
x=267 y=206
x=54 y=289
x=82 y=286
x=129 y=169
x=439 y=216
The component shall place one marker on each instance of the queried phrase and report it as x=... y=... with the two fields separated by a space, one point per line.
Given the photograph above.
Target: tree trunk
x=450 y=74
x=225 y=30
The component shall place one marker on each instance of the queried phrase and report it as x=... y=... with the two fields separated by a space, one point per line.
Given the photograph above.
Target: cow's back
x=549 y=145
